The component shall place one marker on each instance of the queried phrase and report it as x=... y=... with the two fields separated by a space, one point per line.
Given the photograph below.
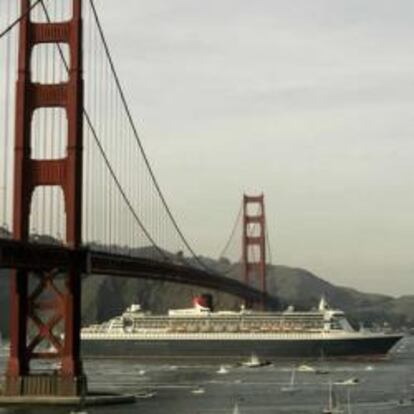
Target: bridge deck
x=34 y=256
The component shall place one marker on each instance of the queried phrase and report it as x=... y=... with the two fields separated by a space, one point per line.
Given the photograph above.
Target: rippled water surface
x=189 y=389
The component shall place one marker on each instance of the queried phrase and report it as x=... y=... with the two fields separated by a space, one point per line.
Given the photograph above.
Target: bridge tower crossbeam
x=47 y=305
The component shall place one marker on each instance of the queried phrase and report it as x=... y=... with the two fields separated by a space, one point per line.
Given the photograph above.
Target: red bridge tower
x=254 y=242
x=36 y=312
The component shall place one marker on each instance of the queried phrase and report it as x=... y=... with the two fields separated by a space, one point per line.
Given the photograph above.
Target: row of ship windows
x=228 y=327
x=227 y=321
x=241 y=323
x=232 y=319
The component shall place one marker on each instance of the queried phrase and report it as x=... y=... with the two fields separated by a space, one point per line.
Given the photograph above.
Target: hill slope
x=104 y=296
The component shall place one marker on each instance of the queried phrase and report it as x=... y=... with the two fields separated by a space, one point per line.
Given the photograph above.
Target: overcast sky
x=310 y=102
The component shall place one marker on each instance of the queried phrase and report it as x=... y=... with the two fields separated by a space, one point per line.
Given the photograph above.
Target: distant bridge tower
x=36 y=312
x=254 y=242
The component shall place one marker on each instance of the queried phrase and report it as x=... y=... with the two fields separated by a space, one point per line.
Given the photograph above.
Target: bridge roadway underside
x=34 y=256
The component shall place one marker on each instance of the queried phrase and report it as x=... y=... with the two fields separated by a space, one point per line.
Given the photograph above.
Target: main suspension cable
x=19 y=19
x=138 y=140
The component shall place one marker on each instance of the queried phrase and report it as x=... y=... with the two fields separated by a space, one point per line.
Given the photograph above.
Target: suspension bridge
x=78 y=195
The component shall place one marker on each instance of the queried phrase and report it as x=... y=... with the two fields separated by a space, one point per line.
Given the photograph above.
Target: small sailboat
x=79 y=412
x=350 y=381
x=349 y=402
x=291 y=387
x=236 y=409
x=222 y=370
x=254 y=362
x=199 y=390
x=333 y=404
x=146 y=394
x=323 y=369
x=305 y=368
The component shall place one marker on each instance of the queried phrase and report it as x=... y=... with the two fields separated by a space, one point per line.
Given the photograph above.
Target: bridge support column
x=45 y=316
x=254 y=243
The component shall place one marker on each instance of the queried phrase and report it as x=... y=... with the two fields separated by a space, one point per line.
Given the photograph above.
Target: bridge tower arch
x=48 y=304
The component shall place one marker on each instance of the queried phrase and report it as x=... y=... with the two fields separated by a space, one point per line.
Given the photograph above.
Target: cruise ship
x=199 y=332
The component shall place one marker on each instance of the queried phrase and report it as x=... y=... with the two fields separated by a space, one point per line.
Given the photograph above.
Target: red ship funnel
x=205 y=300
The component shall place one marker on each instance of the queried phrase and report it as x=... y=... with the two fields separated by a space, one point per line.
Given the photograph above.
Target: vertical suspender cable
x=4 y=189
x=98 y=202
x=232 y=233
x=116 y=219
x=55 y=133
x=89 y=187
x=269 y=249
